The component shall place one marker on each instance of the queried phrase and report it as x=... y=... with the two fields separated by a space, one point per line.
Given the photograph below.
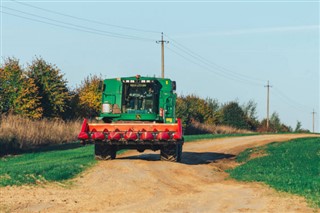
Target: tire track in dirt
x=137 y=182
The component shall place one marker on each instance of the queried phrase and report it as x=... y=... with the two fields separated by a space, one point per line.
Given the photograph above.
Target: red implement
x=131 y=131
x=131 y=136
x=146 y=136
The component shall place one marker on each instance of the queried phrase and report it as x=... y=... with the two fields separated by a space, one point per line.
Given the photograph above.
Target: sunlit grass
x=292 y=167
x=33 y=168
x=189 y=138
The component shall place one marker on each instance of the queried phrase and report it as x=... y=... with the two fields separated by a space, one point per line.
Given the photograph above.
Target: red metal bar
x=84 y=127
x=98 y=136
x=115 y=131
x=146 y=136
x=131 y=136
x=135 y=127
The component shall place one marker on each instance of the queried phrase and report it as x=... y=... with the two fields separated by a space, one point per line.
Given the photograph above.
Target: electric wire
x=217 y=69
x=197 y=57
x=73 y=26
x=85 y=19
x=281 y=95
x=286 y=102
x=62 y=26
x=210 y=69
x=293 y=106
x=204 y=60
x=182 y=47
x=57 y=25
x=293 y=103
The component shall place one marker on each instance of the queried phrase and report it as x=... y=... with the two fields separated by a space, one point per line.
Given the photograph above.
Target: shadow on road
x=147 y=157
x=188 y=158
x=195 y=158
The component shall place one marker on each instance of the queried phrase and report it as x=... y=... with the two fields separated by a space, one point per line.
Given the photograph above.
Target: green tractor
x=137 y=113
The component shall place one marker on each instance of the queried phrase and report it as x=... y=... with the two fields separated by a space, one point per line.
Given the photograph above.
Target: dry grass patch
x=17 y=132
x=221 y=129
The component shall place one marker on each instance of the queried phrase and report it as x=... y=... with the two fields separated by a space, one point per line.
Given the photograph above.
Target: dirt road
x=137 y=182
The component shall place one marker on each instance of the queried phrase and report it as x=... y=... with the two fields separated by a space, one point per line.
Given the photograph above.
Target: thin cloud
x=252 y=31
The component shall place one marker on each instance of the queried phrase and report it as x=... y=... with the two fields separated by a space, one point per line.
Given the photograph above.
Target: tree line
x=40 y=91
x=193 y=109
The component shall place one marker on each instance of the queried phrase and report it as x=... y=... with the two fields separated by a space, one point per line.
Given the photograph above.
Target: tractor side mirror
x=174 y=85
x=101 y=86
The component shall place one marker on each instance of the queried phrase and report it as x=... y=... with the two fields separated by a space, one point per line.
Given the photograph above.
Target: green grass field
x=292 y=167
x=45 y=166
x=53 y=164
x=188 y=138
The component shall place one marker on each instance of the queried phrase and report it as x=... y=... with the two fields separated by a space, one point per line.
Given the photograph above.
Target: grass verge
x=188 y=138
x=33 y=168
x=292 y=167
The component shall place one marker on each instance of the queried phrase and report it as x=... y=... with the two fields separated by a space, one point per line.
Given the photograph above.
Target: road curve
x=137 y=182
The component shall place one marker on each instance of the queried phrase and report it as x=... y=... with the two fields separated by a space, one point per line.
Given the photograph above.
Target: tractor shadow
x=146 y=157
x=196 y=158
x=188 y=158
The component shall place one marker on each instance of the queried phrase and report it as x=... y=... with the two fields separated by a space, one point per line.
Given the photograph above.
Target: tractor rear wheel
x=179 y=152
x=171 y=153
x=104 y=151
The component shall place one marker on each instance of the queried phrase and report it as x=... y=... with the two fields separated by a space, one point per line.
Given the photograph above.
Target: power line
x=219 y=67
x=295 y=103
x=62 y=26
x=84 y=19
x=205 y=61
x=74 y=26
x=280 y=94
x=219 y=70
x=191 y=53
x=286 y=101
x=79 y=26
x=206 y=67
x=209 y=69
x=197 y=59
x=290 y=102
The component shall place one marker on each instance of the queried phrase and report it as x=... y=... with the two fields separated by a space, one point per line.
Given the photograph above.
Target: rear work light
x=106 y=108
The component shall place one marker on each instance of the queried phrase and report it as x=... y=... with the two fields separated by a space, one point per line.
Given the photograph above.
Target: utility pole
x=313 y=113
x=162 y=54
x=268 y=92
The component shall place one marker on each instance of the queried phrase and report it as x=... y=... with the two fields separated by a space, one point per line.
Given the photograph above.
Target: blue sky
x=226 y=50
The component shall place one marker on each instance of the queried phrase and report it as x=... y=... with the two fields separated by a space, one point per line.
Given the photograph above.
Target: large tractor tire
x=104 y=151
x=171 y=153
x=179 y=152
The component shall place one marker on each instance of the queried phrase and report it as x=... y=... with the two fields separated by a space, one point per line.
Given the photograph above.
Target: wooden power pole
x=268 y=100
x=162 y=54
x=313 y=113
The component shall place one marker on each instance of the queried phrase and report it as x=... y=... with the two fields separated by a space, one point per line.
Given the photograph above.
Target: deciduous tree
x=10 y=83
x=52 y=87
x=18 y=93
x=233 y=115
x=28 y=102
x=88 y=96
x=250 y=112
